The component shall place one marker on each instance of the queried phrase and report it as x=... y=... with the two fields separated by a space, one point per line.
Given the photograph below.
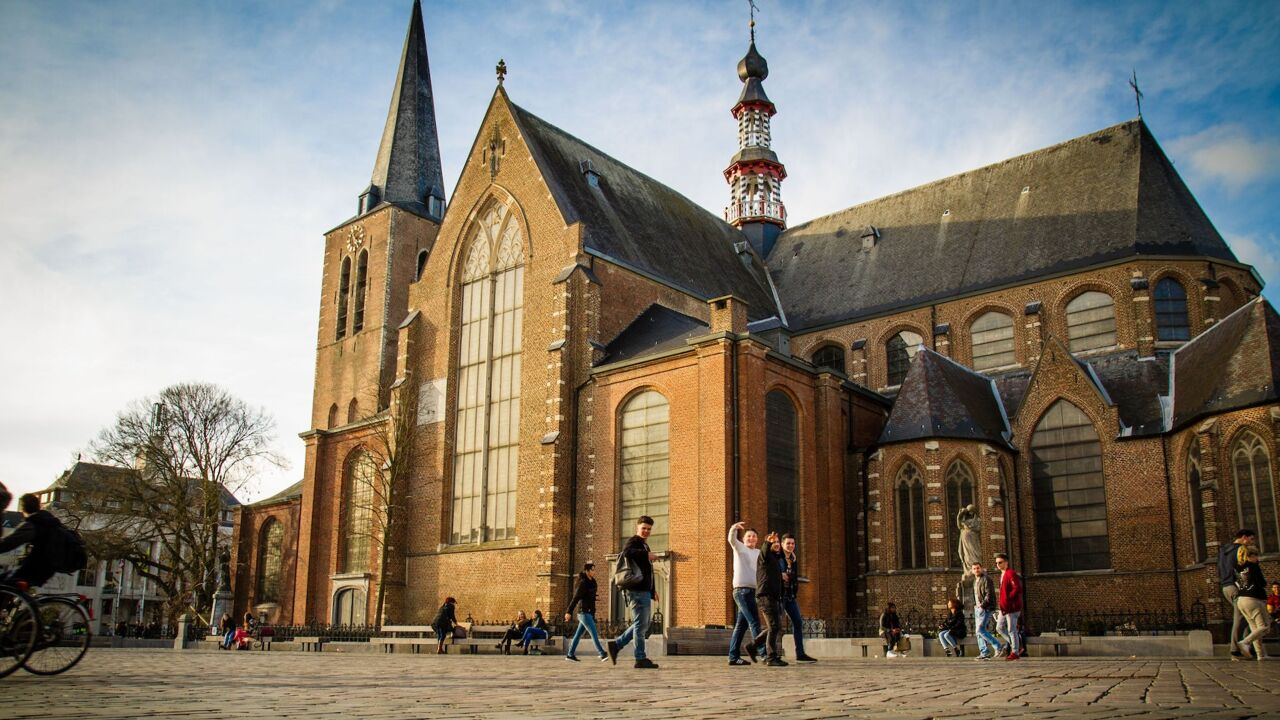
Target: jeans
x=228 y=637
x=641 y=604
x=745 y=599
x=586 y=623
x=771 y=613
x=531 y=633
x=944 y=637
x=792 y=608
x=1231 y=592
x=1007 y=625
x=987 y=643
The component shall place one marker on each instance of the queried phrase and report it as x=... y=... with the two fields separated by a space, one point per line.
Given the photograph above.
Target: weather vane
x=1137 y=94
x=752 y=3
x=501 y=70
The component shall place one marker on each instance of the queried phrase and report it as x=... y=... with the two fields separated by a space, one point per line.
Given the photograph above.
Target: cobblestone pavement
x=167 y=684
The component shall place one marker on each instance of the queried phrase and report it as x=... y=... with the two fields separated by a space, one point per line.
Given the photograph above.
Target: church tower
x=755 y=176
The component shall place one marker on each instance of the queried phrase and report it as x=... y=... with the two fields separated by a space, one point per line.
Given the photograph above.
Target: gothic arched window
x=357 y=512
x=909 y=494
x=353 y=411
x=1069 y=493
x=362 y=284
x=1091 y=321
x=1196 y=495
x=829 y=356
x=1171 y=311
x=333 y=416
x=1255 y=498
x=898 y=352
x=644 y=461
x=960 y=492
x=344 y=292
x=270 y=561
x=486 y=448
x=782 y=469
x=992 y=338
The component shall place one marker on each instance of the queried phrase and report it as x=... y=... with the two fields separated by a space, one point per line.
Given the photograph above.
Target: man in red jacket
x=1010 y=606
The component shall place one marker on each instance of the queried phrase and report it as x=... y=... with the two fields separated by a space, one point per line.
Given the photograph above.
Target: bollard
x=180 y=638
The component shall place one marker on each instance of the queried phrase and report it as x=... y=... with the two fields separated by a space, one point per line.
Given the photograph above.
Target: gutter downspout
x=1173 y=536
x=734 y=478
x=573 y=490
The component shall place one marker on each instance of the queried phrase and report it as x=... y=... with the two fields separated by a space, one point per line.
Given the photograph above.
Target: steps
x=698 y=641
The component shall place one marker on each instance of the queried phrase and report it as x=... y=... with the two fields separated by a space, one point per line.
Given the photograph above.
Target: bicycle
x=44 y=635
x=19 y=627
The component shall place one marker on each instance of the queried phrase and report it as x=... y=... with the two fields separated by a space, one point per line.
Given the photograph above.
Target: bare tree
x=190 y=448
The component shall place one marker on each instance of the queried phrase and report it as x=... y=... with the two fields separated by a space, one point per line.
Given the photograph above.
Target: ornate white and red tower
x=755 y=176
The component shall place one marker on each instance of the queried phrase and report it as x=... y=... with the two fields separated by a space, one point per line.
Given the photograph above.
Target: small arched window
x=333 y=416
x=992 y=338
x=960 y=492
x=349 y=607
x=1091 y=321
x=1255 y=499
x=353 y=411
x=782 y=463
x=1069 y=492
x=362 y=282
x=1196 y=494
x=1171 y=311
x=270 y=562
x=644 y=456
x=357 y=512
x=909 y=493
x=344 y=292
x=829 y=356
x=899 y=351
x=422 y=265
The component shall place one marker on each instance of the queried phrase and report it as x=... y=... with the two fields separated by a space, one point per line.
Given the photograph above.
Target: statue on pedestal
x=970 y=548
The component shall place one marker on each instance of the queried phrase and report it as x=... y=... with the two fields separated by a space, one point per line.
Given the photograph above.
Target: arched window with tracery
x=1069 y=492
x=486 y=448
x=344 y=292
x=898 y=353
x=1196 y=495
x=1255 y=494
x=1172 y=322
x=992 y=338
x=270 y=561
x=1091 y=321
x=782 y=471
x=644 y=460
x=960 y=492
x=829 y=356
x=909 y=496
x=357 y=512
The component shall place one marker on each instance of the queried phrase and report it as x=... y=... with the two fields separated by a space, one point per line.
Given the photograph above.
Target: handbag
x=626 y=575
x=904 y=644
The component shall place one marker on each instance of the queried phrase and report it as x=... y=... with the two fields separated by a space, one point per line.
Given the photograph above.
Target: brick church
x=1061 y=339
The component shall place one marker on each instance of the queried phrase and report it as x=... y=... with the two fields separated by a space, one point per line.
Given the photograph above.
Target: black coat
x=1252 y=582
x=637 y=551
x=445 y=618
x=954 y=623
x=769 y=574
x=37 y=530
x=789 y=590
x=585 y=594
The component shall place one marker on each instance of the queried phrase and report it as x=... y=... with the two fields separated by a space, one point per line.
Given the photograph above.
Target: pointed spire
x=407 y=169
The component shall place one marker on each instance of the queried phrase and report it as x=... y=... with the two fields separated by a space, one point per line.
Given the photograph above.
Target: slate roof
x=85 y=474
x=940 y=398
x=1107 y=195
x=293 y=491
x=1135 y=386
x=1234 y=364
x=636 y=221
x=656 y=330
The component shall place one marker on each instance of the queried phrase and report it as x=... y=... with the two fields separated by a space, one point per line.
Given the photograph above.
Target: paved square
x=141 y=683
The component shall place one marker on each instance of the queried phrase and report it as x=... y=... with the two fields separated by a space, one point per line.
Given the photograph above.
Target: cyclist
x=37 y=529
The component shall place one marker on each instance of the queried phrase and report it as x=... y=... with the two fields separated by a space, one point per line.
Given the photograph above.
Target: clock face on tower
x=355 y=238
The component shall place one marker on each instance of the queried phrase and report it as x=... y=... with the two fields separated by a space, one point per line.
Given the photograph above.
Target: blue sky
x=167 y=169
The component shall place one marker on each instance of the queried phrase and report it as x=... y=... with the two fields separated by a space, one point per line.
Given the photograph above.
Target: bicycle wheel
x=63 y=639
x=18 y=629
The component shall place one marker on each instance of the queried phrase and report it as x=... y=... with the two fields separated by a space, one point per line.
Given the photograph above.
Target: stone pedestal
x=221 y=604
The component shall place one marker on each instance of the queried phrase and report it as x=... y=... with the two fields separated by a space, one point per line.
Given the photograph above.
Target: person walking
x=1252 y=602
x=890 y=630
x=790 y=589
x=745 y=556
x=445 y=620
x=953 y=630
x=1011 y=592
x=584 y=599
x=984 y=603
x=640 y=596
x=769 y=598
x=1229 y=560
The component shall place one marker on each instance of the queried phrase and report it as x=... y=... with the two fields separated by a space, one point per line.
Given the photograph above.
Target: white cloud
x=1229 y=155
x=1263 y=253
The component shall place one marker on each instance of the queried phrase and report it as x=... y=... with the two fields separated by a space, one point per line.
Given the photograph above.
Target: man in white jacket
x=745 y=556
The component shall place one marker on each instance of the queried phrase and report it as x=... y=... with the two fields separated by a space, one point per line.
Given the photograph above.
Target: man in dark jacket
x=769 y=599
x=38 y=529
x=584 y=598
x=984 y=603
x=1229 y=561
x=790 y=589
x=641 y=598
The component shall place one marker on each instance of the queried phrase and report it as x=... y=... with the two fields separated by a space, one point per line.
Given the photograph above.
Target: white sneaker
x=891 y=654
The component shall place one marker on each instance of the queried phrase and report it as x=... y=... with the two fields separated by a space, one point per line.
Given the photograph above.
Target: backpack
x=626 y=575
x=69 y=554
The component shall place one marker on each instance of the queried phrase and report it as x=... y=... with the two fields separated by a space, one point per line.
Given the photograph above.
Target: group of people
x=765 y=581
x=1245 y=588
x=1003 y=607
x=236 y=636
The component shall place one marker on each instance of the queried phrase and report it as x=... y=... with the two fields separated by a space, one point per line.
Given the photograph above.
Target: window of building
x=1171 y=311
x=960 y=492
x=353 y=411
x=333 y=416
x=829 y=356
x=344 y=290
x=911 y=524
x=88 y=577
x=1255 y=500
x=782 y=463
x=1069 y=492
x=422 y=265
x=357 y=512
x=992 y=338
x=270 y=562
x=349 y=607
x=1198 y=541
x=899 y=350
x=1091 y=321
x=644 y=461
x=486 y=448
x=362 y=282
